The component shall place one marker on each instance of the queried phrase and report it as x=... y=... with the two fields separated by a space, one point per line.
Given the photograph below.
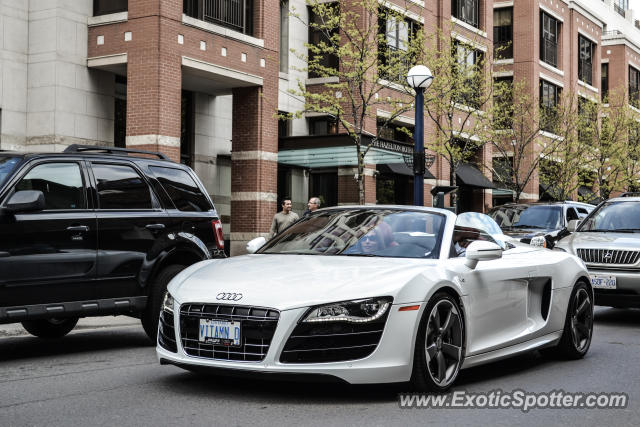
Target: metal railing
x=234 y=14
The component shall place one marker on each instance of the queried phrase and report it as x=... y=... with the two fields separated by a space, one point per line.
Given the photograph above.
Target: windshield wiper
x=529 y=226
x=626 y=230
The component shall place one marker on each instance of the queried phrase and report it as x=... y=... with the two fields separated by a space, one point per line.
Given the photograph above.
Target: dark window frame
x=586 y=53
x=549 y=36
x=393 y=51
x=634 y=86
x=503 y=36
x=107 y=7
x=549 y=99
x=467 y=11
x=478 y=57
x=604 y=80
x=315 y=36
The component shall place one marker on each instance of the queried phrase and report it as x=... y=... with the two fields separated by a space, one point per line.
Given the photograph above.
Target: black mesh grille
x=166 y=332
x=257 y=328
x=608 y=256
x=332 y=341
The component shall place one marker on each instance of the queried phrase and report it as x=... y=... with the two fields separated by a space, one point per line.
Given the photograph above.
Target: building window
x=284 y=36
x=467 y=11
x=469 y=64
x=503 y=101
x=586 y=49
x=120 y=113
x=105 y=7
x=549 y=39
x=621 y=6
x=284 y=125
x=187 y=128
x=604 y=81
x=234 y=14
x=587 y=116
x=503 y=33
x=323 y=126
x=397 y=32
x=324 y=60
x=634 y=84
x=393 y=132
x=549 y=99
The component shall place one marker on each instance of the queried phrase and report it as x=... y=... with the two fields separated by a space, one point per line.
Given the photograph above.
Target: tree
x=363 y=52
x=517 y=122
x=458 y=98
x=605 y=128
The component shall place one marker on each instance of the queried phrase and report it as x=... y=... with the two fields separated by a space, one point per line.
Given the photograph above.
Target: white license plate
x=603 y=282
x=220 y=332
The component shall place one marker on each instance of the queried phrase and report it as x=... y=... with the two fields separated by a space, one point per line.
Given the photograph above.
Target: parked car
x=97 y=231
x=540 y=224
x=376 y=294
x=608 y=241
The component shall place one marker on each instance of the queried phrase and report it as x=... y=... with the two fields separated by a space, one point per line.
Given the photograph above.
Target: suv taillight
x=217 y=230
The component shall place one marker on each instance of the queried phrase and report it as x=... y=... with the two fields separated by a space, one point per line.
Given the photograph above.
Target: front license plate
x=603 y=282
x=220 y=332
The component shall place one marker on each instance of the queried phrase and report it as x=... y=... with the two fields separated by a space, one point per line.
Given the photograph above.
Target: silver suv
x=608 y=241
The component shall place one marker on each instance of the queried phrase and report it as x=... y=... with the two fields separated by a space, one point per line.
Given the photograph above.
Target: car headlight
x=356 y=311
x=167 y=303
x=539 y=241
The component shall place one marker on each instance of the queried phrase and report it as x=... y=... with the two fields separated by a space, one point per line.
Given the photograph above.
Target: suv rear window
x=7 y=165
x=182 y=189
x=121 y=187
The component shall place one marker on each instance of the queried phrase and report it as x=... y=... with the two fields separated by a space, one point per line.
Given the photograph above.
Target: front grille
x=166 y=332
x=608 y=256
x=257 y=328
x=332 y=341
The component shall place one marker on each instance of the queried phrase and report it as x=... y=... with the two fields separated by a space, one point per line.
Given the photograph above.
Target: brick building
x=202 y=81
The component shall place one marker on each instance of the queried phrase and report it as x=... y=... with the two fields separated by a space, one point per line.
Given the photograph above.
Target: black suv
x=95 y=231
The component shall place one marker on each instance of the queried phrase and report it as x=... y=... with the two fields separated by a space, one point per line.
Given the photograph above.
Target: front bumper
x=391 y=361
x=627 y=292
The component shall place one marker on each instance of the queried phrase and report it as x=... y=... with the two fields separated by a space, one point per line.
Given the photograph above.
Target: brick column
x=254 y=167
x=154 y=78
x=348 y=185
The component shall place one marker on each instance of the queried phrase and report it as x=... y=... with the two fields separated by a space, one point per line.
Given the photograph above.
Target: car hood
x=527 y=232
x=293 y=281
x=607 y=240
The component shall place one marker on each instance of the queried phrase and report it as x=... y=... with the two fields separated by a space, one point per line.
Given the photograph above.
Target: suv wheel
x=50 y=328
x=151 y=314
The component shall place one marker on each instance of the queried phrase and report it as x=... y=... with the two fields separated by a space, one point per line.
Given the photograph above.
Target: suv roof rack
x=77 y=148
x=630 y=194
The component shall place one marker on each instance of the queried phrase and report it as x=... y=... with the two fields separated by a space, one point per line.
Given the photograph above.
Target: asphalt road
x=109 y=376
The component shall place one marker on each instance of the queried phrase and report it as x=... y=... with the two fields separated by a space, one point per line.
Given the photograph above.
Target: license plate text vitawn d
x=603 y=282
x=220 y=332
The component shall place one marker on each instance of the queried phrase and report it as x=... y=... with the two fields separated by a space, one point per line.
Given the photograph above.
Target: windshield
x=7 y=164
x=614 y=216
x=539 y=216
x=362 y=232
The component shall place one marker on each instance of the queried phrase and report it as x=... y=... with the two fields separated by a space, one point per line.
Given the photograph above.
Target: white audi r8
x=377 y=294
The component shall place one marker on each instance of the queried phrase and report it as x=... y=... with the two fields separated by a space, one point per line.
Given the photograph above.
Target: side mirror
x=480 y=250
x=573 y=225
x=255 y=244
x=25 y=201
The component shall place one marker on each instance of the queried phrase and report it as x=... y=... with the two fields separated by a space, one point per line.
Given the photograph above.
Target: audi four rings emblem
x=229 y=296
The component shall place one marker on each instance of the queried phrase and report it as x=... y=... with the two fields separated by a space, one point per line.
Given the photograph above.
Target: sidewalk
x=16 y=329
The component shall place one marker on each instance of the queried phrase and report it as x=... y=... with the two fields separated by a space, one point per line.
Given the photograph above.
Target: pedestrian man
x=314 y=204
x=283 y=219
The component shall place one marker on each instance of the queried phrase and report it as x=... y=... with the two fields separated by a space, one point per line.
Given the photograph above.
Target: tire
x=439 y=350
x=578 y=325
x=50 y=328
x=158 y=288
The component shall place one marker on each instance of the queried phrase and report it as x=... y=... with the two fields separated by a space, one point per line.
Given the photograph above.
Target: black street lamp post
x=419 y=78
